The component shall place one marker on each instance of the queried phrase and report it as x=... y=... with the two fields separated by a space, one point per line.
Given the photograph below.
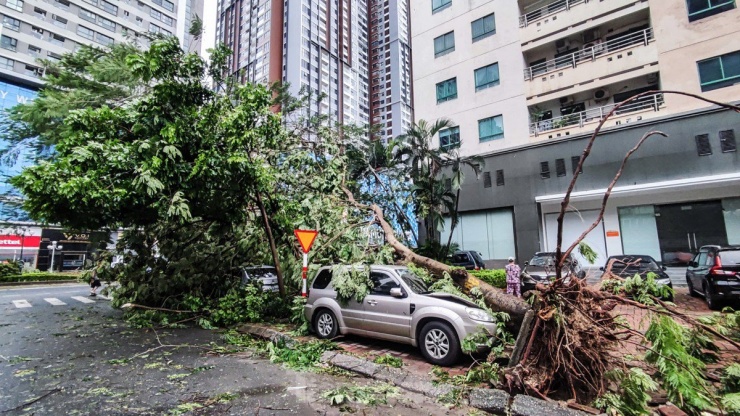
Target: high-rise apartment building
x=528 y=81
x=355 y=52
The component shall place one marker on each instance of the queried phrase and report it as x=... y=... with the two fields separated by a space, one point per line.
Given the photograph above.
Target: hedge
x=494 y=277
x=9 y=269
x=39 y=277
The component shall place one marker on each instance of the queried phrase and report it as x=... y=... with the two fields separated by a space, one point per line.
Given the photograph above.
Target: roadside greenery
x=38 y=277
x=389 y=360
x=372 y=395
x=494 y=277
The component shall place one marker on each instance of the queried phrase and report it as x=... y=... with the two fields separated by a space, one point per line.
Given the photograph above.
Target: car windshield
x=634 y=264
x=542 y=261
x=413 y=281
x=460 y=258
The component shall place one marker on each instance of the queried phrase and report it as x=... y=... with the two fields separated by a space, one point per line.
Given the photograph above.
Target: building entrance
x=684 y=228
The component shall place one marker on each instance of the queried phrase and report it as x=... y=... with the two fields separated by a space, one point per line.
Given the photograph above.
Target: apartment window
x=486 y=77
x=40 y=13
x=15 y=4
x=62 y=4
x=37 y=32
x=727 y=141
x=34 y=71
x=719 y=72
x=161 y=17
x=85 y=32
x=703 y=147
x=105 y=40
x=6 y=63
x=8 y=43
x=544 y=170
x=59 y=21
x=54 y=56
x=500 y=177
x=12 y=24
x=438 y=5
x=171 y=6
x=447 y=90
x=108 y=7
x=560 y=167
x=34 y=51
x=95 y=2
x=449 y=138
x=102 y=21
x=483 y=27
x=444 y=44
x=56 y=39
x=86 y=15
x=699 y=9
x=491 y=128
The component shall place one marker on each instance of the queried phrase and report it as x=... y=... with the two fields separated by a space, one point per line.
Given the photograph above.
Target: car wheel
x=709 y=295
x=439 y=344
x=325 y=324
x=692 y=292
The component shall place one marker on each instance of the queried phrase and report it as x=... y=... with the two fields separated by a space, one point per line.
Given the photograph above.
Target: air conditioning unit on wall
x=601 y=95
x=566 y=101
x=562 y=45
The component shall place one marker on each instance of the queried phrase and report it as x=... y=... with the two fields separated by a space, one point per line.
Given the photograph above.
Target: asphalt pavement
x=64 y=353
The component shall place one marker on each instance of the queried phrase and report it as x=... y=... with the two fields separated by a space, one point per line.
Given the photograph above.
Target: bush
x=8 y=269
x=248 y=304
x=495 y=277
x=38 y=277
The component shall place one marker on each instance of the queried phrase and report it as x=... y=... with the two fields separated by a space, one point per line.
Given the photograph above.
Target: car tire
x=325 y=324
x=692 y=292
x=439 y=344
x=710 y=297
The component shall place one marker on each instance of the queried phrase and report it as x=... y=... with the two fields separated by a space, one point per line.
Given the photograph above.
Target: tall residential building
x=527 y=82
x=345 y=49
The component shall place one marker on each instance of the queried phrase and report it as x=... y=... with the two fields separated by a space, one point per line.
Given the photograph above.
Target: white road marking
x=55 y=301
x=22 y=303
x=83 y=299
x=103 y=297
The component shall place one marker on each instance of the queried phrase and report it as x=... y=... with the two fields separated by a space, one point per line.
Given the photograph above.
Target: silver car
x=399 y=308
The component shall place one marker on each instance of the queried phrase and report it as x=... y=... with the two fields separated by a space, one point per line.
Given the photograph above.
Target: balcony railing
x=589 y=54
x=550 y=9
x=652 y=102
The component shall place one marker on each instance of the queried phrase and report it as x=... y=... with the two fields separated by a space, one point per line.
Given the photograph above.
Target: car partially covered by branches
x=397 y=306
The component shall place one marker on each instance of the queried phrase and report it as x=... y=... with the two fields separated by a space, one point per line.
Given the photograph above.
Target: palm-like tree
x=456 y=165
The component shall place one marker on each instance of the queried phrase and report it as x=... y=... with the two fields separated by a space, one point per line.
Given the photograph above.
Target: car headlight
x=479 y=315
x=665 y=281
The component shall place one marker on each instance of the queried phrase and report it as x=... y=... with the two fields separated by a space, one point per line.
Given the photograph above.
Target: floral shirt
x=512 y=272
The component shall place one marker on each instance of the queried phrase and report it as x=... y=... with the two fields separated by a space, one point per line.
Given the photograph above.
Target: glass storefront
x=639 y=231
x=731 y=213
x=489 y=232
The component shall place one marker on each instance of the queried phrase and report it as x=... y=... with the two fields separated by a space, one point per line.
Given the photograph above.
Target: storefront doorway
x=684 y=228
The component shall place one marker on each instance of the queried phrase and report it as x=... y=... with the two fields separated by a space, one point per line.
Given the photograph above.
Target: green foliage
x=38 y=277
x=587 y=252
x=631 y=398
x=421 y=273
x=247 y=304
x=726 y=322
x=643 y=290
x=297 y=316
x=731 y=379
x=731 y=404
x=389 y=360
x=299 y=355
x=8 y=269
x=494 y=277
x=367 y=395
x=480 y=373
x=351 y=282
x=681 y=375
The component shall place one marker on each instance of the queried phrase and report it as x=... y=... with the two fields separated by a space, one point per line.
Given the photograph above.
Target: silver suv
x=398 y=308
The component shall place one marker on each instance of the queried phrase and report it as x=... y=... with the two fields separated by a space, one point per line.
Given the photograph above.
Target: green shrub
x=8 y=269
x=495 y=277
x=248 y=304
x=38 y=277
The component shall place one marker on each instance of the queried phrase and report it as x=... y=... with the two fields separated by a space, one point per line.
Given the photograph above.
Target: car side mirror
x=526 y=263
x=601 y=268
x=693 y=264
x=663 y=268
x=396 y=292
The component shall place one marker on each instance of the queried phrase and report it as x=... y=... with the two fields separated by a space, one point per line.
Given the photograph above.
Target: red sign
x=15 y=241
x=611 y=233
x=306 y=238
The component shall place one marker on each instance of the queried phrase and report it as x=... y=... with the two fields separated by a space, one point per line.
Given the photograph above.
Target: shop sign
x=15 y=241
x=612 y=233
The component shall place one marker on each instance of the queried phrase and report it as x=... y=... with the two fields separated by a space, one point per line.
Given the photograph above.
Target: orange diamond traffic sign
x=306 y=238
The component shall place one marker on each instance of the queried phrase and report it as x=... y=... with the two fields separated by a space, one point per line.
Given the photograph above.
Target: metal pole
x=304 y=272
x=53 y=249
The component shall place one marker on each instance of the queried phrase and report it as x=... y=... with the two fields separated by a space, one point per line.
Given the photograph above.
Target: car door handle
x=372 y=302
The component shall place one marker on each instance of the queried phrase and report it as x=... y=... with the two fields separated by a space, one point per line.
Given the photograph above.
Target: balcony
x=586 y=120
x=560 y=15
x=620 y=55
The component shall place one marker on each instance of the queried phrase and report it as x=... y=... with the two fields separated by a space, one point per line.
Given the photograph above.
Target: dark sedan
x=469 y=259
x=715 y=274
x=628 y=265
x=541 y=269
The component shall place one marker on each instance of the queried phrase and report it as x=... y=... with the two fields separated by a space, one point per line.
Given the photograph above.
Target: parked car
x=398 y=308
x=469 y=259
x=628 y=265
x=714 y=273
x=541 y=269
x=266 y=275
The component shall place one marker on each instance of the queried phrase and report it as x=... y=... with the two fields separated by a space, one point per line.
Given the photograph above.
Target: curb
x=42 y=282
x=494 y=401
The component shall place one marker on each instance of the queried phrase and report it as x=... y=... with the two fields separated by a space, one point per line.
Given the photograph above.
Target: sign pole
x=305 y=274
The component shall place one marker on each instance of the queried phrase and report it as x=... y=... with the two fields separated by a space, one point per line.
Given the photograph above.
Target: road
x=62 y=353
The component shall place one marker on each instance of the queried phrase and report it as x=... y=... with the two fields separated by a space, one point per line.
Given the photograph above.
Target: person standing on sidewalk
x=513 y=284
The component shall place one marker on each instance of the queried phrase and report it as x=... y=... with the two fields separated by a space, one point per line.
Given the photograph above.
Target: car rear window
x=460 y=258
x=730 y=257
x=322 y=279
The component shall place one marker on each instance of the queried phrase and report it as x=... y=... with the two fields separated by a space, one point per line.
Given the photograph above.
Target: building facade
x=527 y=83
x=354 y=52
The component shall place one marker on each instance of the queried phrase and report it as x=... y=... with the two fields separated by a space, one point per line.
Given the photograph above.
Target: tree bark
x=453 y=224
x=271 y=240
x=495 y=298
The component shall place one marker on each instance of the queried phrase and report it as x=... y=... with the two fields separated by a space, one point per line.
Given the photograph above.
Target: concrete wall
x=659 y=159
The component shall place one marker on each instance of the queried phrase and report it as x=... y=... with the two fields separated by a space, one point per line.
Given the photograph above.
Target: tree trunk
x=453 y=224
x=271 y=240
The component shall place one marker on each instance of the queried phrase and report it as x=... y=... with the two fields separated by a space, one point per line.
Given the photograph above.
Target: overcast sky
x=209 y=26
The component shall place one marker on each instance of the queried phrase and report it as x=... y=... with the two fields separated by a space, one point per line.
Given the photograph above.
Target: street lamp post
x=53 y=247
